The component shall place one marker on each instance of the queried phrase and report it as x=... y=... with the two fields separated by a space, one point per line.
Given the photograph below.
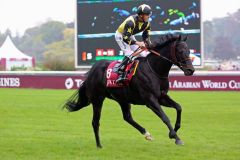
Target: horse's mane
x=164 y=41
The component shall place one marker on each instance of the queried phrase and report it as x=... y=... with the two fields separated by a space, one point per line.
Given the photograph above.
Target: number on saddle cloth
x=112 y=74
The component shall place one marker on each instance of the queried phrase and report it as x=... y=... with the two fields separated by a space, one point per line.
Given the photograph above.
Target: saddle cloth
x=112 y=73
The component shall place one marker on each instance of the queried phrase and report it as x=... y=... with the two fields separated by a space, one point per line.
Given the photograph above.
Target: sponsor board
x=205 y=83
x=41 y=82
x=199 y=83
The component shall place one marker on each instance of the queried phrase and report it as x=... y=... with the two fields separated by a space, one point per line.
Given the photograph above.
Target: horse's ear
x=185 y=39
x=180 y=37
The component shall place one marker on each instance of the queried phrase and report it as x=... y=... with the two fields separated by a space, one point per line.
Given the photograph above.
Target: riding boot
x=124 y=62
x=122 y=77
x=122 y=70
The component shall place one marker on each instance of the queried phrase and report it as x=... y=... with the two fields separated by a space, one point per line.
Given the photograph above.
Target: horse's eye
x=181 y=51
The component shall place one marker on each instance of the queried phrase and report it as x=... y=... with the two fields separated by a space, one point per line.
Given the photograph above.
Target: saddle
x=112 y=73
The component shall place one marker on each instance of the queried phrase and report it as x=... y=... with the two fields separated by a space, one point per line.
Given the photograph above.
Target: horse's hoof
x=99 y=146
x=179 y=142
x=148 y=136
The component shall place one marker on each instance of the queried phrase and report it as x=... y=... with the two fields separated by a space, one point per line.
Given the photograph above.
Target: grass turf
x=32 y=126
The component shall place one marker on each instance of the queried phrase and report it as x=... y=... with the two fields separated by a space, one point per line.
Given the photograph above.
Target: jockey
x=126 y=40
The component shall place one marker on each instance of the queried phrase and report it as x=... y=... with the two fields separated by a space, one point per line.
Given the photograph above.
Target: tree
x=222 y=37
x=35 y=40
x=208 y=39
x=59 y=56
x=224 y=48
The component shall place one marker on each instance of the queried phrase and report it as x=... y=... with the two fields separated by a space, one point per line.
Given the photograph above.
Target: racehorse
x=149 y=86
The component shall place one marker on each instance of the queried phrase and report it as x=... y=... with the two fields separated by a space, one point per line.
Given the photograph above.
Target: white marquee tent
x=10 y=56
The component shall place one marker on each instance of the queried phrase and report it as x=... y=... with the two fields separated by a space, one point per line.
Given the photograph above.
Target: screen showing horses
x=97 y=22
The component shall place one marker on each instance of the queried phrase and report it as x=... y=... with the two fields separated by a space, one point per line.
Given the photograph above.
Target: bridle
x=173 y=56
x=172 y=60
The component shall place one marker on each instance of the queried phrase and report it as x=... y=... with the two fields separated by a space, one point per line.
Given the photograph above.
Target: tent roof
x=9 y=50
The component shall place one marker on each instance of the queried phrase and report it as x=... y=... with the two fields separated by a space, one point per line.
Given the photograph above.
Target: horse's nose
x=189 y=72
x=192 y=70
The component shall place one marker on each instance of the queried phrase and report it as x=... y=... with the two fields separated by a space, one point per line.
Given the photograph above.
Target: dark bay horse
x=148 y=87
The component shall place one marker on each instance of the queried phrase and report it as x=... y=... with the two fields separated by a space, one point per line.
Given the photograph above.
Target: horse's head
x=180 y=55
x=175 y=50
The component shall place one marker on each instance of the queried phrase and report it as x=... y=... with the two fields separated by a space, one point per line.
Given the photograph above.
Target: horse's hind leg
x=97 y=108
x=127 y=116
x=168 y=102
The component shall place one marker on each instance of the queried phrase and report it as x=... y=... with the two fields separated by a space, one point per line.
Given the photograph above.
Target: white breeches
x=126 y=48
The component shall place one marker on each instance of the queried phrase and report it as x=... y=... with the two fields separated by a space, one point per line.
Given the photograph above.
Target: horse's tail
x=78 y=100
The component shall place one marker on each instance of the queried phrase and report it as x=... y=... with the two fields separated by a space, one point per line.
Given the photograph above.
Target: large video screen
x=97 y=22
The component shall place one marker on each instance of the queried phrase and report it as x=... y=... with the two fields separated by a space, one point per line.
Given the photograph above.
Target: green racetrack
x=32 y=126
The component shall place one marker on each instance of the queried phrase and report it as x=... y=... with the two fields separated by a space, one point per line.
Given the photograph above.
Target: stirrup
x=121 y=80
x=122 y=77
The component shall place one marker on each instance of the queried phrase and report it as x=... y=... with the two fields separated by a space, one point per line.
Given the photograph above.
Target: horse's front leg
x=167 y=101
x=154 y=105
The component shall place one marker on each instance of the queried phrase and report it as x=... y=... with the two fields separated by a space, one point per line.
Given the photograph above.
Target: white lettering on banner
x=69 y=83
x=78 y=82
x=210 y=84
x=206 y=84
x=234 y=85
x=9 y=82
x=177 y=84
